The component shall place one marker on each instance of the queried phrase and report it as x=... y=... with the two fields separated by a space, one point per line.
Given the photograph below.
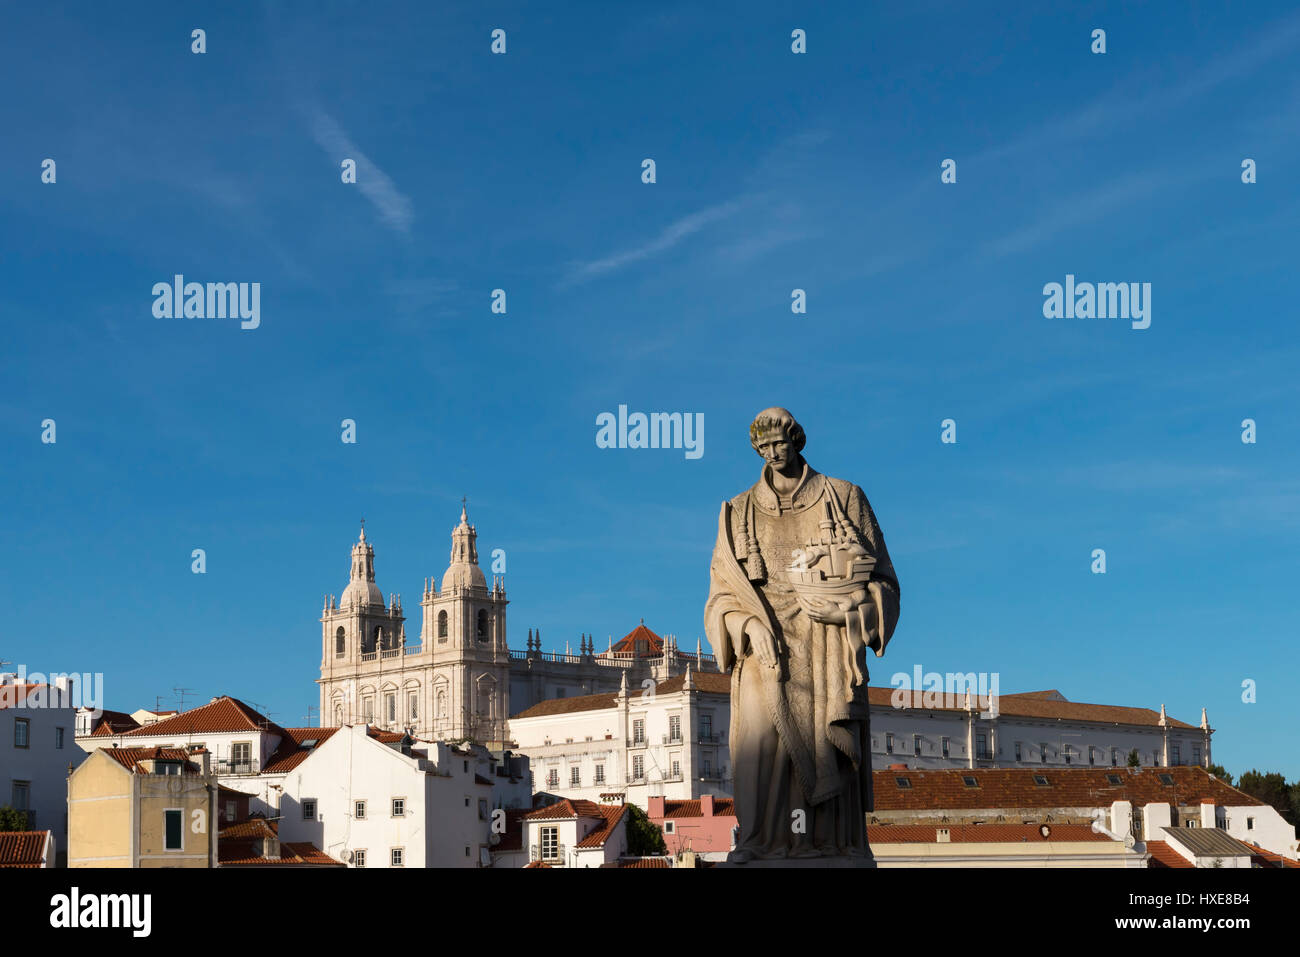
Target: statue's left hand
x=832 y=612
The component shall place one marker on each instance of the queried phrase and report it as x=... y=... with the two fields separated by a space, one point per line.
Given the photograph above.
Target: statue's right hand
x=761 y=642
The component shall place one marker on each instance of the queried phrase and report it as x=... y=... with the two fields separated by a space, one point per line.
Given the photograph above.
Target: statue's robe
x=800 y=735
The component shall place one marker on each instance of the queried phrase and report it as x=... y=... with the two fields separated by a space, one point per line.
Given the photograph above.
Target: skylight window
x=1115 y=779
x=1167 y=779
x=969 y=781
x=1041 y=780
x=903 y=783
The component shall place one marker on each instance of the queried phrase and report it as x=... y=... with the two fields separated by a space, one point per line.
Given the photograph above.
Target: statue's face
x=779 y=453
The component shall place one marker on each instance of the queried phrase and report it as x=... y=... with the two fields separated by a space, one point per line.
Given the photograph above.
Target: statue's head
x=778 y=438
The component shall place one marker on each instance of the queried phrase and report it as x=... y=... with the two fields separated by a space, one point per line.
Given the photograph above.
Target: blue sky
x=775 y=171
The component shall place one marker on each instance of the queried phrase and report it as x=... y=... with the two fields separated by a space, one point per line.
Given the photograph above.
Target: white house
x=37 y=724
x=576 y=834
x=667 y=739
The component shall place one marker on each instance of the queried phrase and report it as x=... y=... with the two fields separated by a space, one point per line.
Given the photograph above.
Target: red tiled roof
x=597 y=837
x=221 y=716
x=237 y=846
x=114 y=722
x=651 y=644
x=945 y=789
x=1268 y=858
x=537 y=864
x=290 y=753
x=1042 y=704
x=130 y=758
x=722 y=807
x=22 y=848
x=981 y=833
x=655 y=862
x=1162 y=855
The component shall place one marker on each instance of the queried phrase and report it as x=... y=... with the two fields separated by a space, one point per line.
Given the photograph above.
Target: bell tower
x=464 y=627
x=358 y=633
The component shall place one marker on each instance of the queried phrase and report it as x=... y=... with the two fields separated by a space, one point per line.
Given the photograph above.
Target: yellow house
x=142 y=807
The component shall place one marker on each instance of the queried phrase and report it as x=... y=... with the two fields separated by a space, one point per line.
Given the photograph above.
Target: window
x=1017 y=750
x=676 y=769
x=399 y=807
x=1167 y=780
x=467 y=800
x=359 y=810
x=970 y=781
x=1114 y=757
x=638 y=767
x=442 y=626
x=553 y=778
x=945 y=747
x=58 y=738
x=668 y=827
x=600 y=774
x=359 y=860
x=1250 y=824
x=706 y=770
x=1042 y=750
x=916 y=745
x=413 y=704
x=368 y=710
x=706 y=727
x=889 y=742
x=340 y=643
x=1040 y=780
x=904 y=784
x=22 y=795
x=1092 y=755
x=550 y=843
x=397 y=857
x=390 y=707
x=481 y=628
x=22 y=732
x=1196 y=755
x=309 y=810
x=674 y=727
x=982 y=752
x=638 y=731
x=241 y=753
x=1176 y=755
x=175 y=833
x=1115 y=779
x=575 y=776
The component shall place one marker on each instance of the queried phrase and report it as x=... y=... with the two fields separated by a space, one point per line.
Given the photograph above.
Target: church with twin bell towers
x=459 y=680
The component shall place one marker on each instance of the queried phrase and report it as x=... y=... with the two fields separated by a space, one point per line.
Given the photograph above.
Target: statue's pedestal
x=799 y=862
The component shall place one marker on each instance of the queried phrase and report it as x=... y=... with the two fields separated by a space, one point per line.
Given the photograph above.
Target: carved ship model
x=841 y=567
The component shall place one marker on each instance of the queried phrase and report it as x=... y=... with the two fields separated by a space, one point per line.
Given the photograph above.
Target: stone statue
x=800 y=588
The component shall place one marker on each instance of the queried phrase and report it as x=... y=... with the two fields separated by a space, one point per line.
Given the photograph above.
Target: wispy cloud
x=675 y=233
x=393 y=206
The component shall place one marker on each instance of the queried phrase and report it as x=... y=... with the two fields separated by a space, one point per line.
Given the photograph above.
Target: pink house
x=703 y=826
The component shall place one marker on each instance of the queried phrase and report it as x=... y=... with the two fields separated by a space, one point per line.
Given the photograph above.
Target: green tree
x=11 y=820
x=1270 y=788
x=1133 y=760
x=643 y=836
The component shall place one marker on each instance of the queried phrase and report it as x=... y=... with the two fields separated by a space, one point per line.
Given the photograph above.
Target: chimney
x=706 y=805
x=942 y=835
x=656 y=807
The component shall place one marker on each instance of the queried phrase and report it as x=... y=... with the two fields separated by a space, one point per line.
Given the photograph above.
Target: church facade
x=460 y=679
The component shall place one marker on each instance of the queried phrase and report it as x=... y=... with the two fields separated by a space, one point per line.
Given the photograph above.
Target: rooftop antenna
x=310 y=709
x=181 y=693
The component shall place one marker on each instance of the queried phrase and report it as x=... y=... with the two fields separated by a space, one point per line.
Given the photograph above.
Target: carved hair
x=776 y=419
